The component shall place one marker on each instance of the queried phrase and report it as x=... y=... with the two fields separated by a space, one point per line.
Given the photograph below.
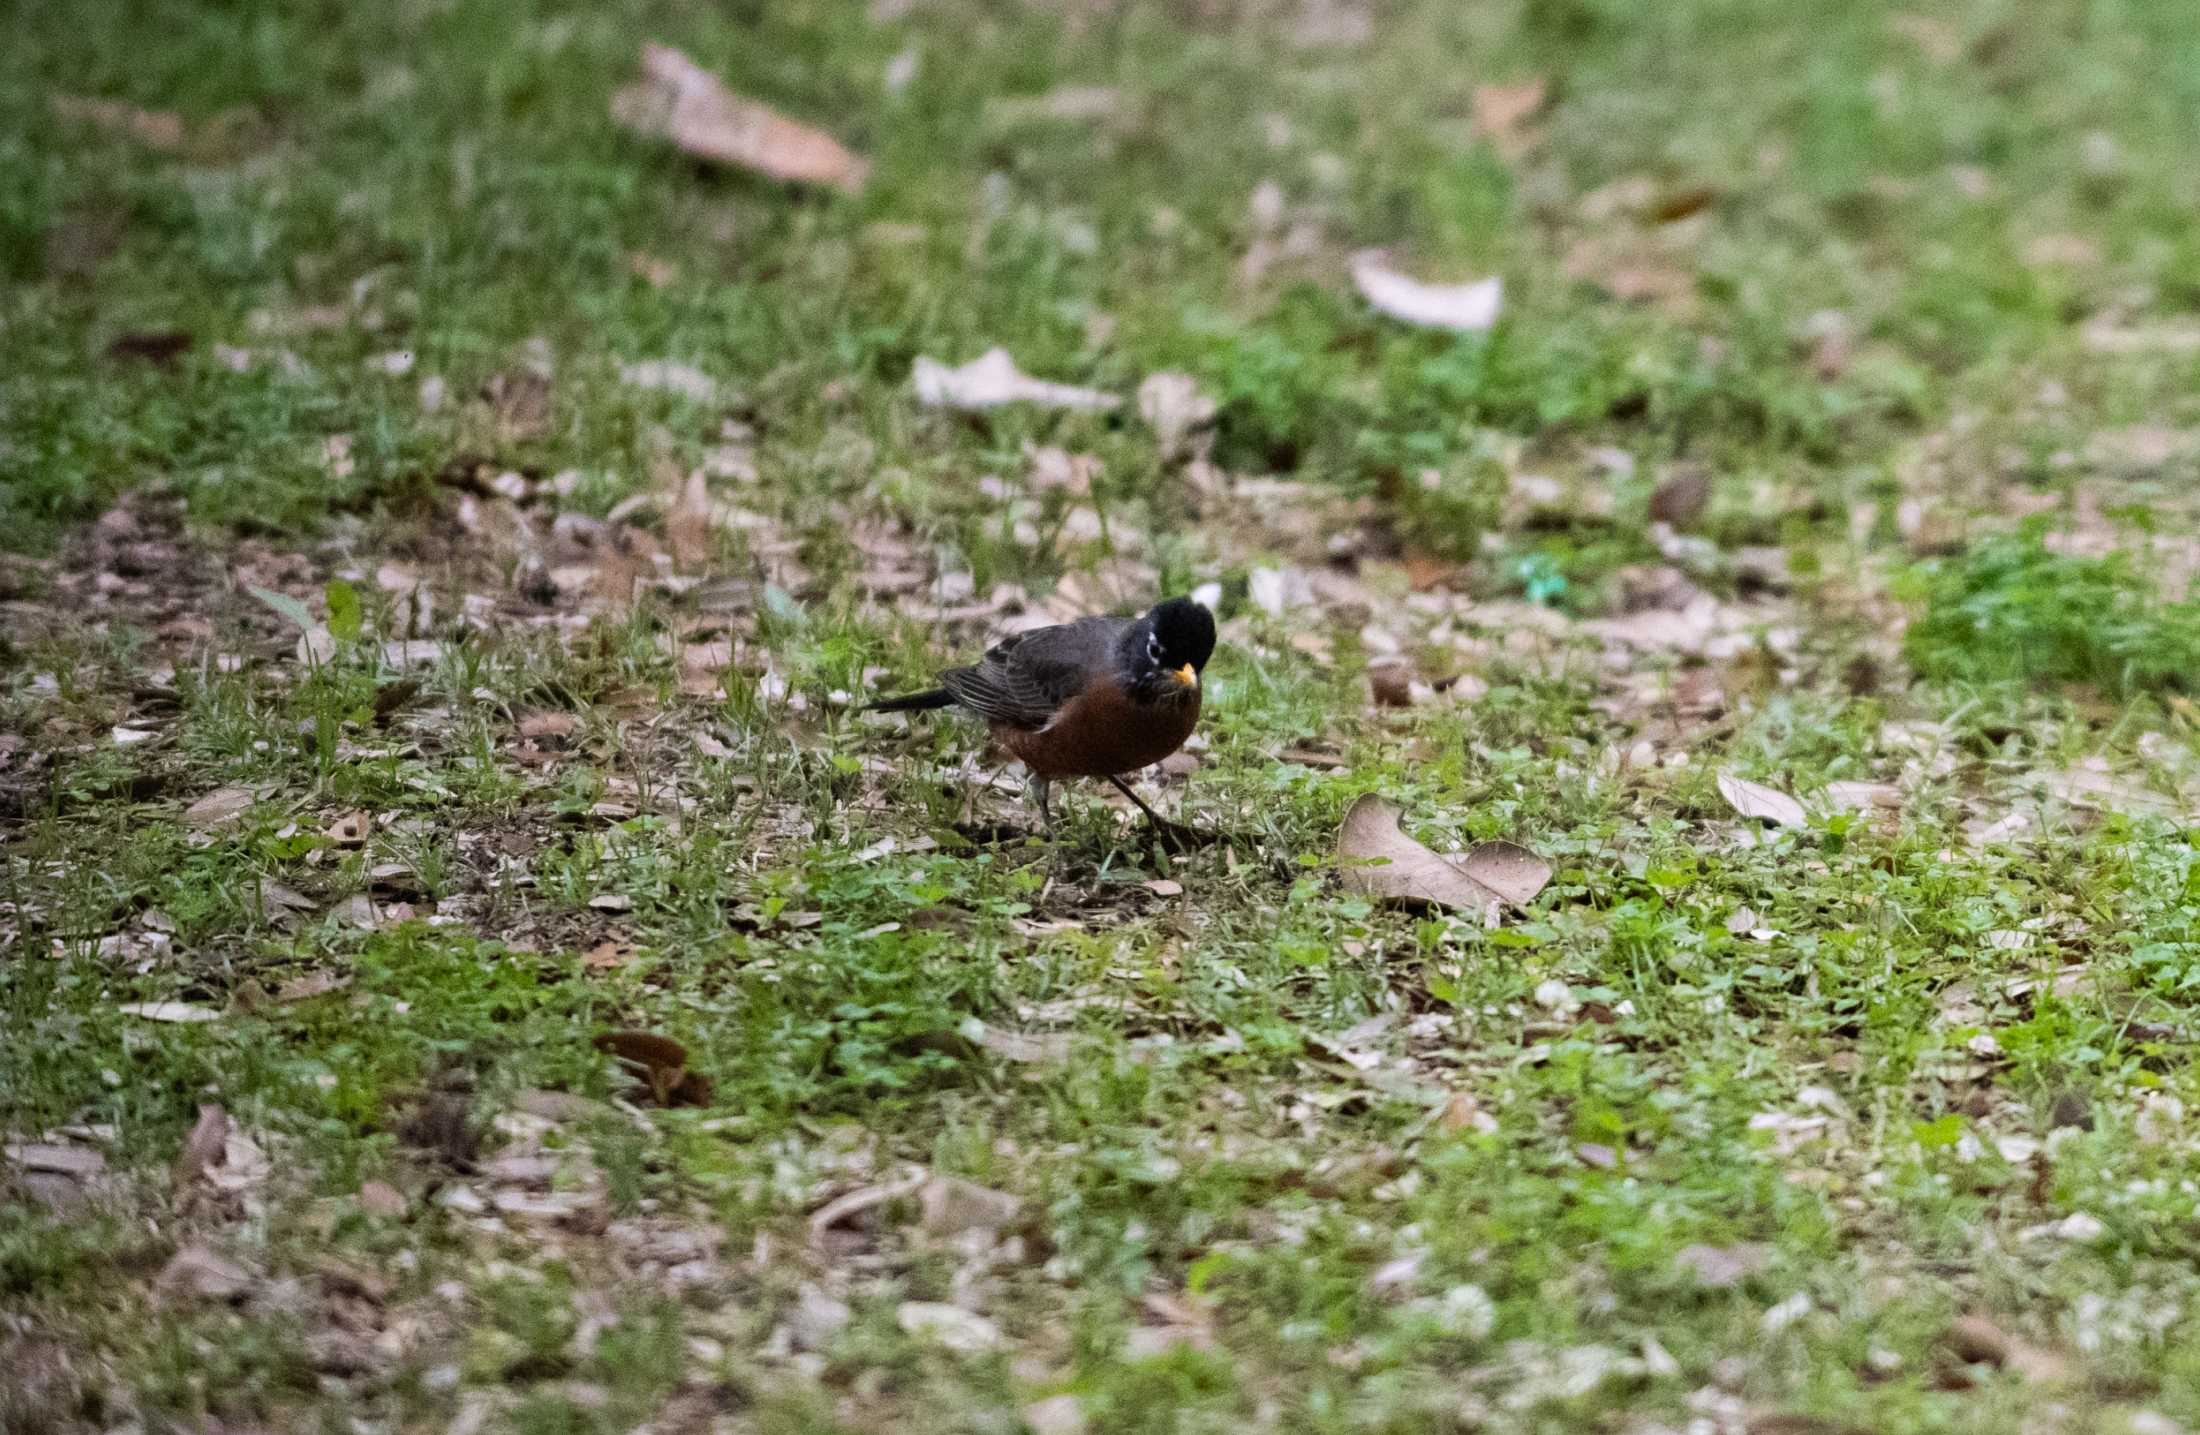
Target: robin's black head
x=1167 y=648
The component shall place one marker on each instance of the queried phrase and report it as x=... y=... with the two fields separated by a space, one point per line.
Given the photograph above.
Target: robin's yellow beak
x=1187 y=676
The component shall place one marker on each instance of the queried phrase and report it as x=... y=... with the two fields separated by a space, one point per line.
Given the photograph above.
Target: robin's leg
x=1040 y=788
x=1125 y=788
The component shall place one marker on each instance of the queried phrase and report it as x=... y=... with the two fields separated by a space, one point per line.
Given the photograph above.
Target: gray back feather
x=1023 y=680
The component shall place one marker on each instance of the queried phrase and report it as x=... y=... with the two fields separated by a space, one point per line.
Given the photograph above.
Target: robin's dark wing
x=1023 y=681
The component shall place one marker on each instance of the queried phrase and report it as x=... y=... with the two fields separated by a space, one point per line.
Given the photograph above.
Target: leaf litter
x=678 y=100
x=992 y=380
x=1463 y=308
x=1766 y=804
x=1377 y=858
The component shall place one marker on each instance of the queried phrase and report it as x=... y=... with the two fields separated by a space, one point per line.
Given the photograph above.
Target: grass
x=1727 y=1126
x=2013 y=611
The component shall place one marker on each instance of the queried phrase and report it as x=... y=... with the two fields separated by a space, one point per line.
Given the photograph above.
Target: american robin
x=1095 y=698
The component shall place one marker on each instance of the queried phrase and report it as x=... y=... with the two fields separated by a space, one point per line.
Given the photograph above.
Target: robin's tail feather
x=912 y=702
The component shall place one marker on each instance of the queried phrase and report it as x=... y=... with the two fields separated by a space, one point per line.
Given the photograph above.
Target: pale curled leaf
x=670 y=376
x=1022 y=1046
x=156 y=129
x=1467 y=308
x=1722 y=1267
x=1502 y=114
x=1754 y=799
x=991 y=380
x=949 y=1326
x=202 y=1149
x=169 y=1011
x=1173 y=405
x=197 y=1273
x=1864 y=796
x=951 y=1206
x=288 y=608
x=55 y=1158
x=678 y=100
x=1508 y=869
x=221 y=805
x=1383 y=862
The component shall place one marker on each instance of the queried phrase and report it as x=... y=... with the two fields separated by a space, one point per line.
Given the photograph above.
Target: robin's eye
x=1153 y=650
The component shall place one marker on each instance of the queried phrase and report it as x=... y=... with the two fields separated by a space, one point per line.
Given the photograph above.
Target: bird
x=1098 y=697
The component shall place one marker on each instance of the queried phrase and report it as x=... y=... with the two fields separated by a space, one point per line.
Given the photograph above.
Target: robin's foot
x=1172 y=836
x=1151 y=816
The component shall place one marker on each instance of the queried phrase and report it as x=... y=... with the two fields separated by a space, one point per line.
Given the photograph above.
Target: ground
x=468 y=966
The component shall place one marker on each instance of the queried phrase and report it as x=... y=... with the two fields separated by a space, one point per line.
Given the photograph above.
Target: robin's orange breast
x=1103 y=732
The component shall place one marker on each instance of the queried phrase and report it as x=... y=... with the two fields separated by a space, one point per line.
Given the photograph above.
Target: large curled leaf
x=287 y=607
x=1767 y=804
x=1466 y=308
x=1382 y=861
x=679 y=100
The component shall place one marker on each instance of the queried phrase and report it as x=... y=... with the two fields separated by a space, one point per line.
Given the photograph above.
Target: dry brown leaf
x=1465 y=308
x=541 y=725
x=661 y=1063
x=1062 y=1414
x=223 y=804
x=1054 y=470
x=2089 y=783
x=1426 y=570
x=379 y=1198
x=1510 y=870
x=951 y=1206
x=1385 y=863
x=2106 y=336
x=1636 y=273
x=1976 y=1340
x=609 y=953
x=1721 y=1267
x=949 y=1326
x=657 y=273
x=1076 y=103
x=350 y=830
x=1024 y=1046
x=688 y=526
x=196 y=1273
x=311 y=985
x=678 y=100
x=992 y=379
x=670 y=376
x=278 y=903
x=519 y=403
x=1864 y=796
x=1463 y=1112
x=1754 y=799
x=203 y=1148
x=1936 y=39
x=1173 y=405
x=1680 y=499
x=559 y=1105
x=169 y=1011
x=56 y=1158
x=157 y=129
x=1502 y=114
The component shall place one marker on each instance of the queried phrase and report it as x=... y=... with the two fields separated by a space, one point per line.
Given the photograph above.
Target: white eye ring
x=1153 y=648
